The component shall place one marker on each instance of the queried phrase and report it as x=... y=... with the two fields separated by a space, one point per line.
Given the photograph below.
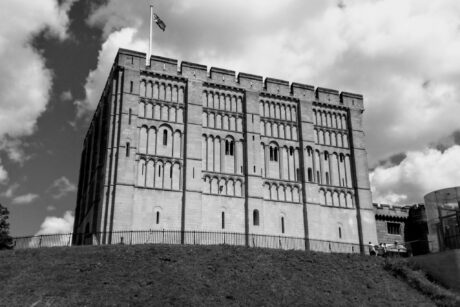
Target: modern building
x=178 y=147
x=443 y=215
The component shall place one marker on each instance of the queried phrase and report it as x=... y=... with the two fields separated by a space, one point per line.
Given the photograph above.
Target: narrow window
x=252 y=118
x=131 y=86
x=327 y=178
x=231 y=148
x=340 y=233
x=282 y=224
x=275 y=154
x=310 y=174
x=170 y=172
x=129 y=116
x=241 y=169
x=253 y=138
x=127 y=149
x=271 y=153
x=297 y=174
x=193 y=173
x=227 y=148
x=394 y=228
x=223 y=220
x=159 y=171
x=255 y=217
x=165 y=137
x=158 y=218
x=291 y=151
x=254 y=168
x=326 y=156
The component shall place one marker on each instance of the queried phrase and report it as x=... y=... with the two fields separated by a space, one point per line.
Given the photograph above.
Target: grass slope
x=196 y=275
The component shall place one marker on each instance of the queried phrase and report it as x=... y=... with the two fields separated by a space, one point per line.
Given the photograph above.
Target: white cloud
x=50 y=208
x=418 y=174
x=66 y=96
x=24 y=199
x=56 y=225
x=96 y=79
x=10 y=191
x=61 y=187
x=3 y=174
x=25 y=81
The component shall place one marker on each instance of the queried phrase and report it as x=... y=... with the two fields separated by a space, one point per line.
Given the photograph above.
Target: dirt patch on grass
x=197 y=275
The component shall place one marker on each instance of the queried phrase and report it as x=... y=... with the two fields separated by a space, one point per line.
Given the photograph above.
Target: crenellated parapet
x=250 y=82
x=386 y=211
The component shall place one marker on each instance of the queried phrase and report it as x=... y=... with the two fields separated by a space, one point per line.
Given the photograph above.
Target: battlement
x=226 y=77
x=390 y=211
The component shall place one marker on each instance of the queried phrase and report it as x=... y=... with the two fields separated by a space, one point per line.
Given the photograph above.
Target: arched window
x=229 y=148
x=158 y=217
x=165 y=137
x=223 y=220
x=255 y=217
x=310 y=174
x=282 y=224
x=274 y=153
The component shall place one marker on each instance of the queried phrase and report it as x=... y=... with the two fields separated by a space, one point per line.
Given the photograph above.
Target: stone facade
x=391 y=223
x=183 y=148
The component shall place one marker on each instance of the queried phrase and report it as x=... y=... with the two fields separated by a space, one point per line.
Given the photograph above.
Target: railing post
x=131 y=238
x=40 y=241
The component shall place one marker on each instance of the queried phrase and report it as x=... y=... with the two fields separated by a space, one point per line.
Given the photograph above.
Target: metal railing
x=190 y=237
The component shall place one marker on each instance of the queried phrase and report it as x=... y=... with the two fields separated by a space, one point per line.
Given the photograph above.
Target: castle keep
x=183 y=148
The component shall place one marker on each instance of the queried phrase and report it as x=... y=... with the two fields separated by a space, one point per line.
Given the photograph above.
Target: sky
x=55 y=56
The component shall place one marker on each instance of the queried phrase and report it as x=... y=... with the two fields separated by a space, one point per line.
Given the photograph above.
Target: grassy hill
x=197 y=275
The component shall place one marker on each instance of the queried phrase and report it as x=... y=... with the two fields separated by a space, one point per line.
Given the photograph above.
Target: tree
x=6 y=242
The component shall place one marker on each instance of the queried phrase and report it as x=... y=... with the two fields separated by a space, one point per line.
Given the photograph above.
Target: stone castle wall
x=185 y=148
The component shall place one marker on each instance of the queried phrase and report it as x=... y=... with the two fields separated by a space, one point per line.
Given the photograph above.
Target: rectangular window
x=131 y=86
x=129 y=116
x=394 y=228
x=127 y=149
x=223 y=220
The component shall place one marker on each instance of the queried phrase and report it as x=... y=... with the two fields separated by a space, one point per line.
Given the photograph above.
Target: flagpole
x=149 y=54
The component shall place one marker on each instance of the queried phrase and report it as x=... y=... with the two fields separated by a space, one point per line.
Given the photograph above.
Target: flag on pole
x=159 y=22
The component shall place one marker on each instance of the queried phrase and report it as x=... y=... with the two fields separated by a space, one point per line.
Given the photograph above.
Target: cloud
x=61 y=187
x=3 y=174
x=96 y=79
x=24 y=199
x=55 y=225
x=10 y=191
x=25 y=81
x=50 y=208
x=66 y=96
x=418 y=174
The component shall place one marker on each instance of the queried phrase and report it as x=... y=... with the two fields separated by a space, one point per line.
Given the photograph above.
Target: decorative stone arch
x=156 y=90
x=165 y=140
x=141 y=109
x=329 y=198
x=321 y=136
x=281 y=193
x=335 y=199
x=342 y=199
x=334 y=120
x=142 y=88
x=238 y=188
x=322 y=197
x=289 y=196
x=274 y=191
x=275 y=130
x=149 y=90
x=230 y=187
x=288 y=113
x=266 y=189
x=177 y=144
x=349 y=200
x=141 y=172
x=223 y=186
x=268 y=129
x=159 y=172
x=206 y=184
x=234 y=104
x=150 y=173
x=143 y=135
x=214 y=185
